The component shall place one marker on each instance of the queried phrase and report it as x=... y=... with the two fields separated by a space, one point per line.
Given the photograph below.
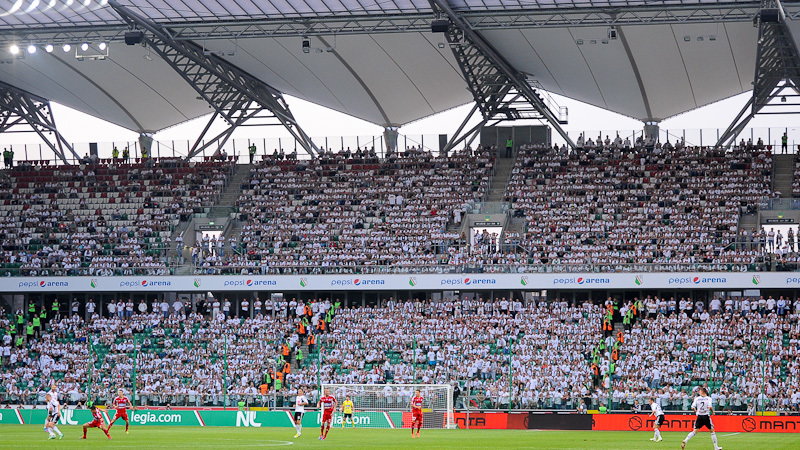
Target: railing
x=771 y=204
x=258 y=269
x=703 y=137
x=265 y=147
x=488 y=268
x=430 y=142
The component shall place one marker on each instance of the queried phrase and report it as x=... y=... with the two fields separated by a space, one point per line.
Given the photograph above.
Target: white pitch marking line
x=729 y=434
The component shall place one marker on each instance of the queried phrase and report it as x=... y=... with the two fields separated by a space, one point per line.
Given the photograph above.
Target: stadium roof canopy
x=379 y=61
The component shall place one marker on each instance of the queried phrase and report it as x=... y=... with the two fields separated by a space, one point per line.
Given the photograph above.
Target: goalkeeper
x=347 y=411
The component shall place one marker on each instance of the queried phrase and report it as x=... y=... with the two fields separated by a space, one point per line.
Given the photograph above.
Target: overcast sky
x=321 y=122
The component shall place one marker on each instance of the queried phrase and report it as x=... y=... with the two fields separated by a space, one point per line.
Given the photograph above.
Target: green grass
x=32 y=436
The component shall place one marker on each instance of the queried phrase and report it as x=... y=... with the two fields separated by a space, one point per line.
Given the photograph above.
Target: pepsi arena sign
x=697 y=280
x=467 y=281
x=43 y=284
x=582 y=281
x=249 y=283
x=357 y=282
x=145 y=283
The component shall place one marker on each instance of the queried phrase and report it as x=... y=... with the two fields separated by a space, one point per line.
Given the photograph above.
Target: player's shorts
x=327 y=416
x=298 y=416
x=122 y=414
x=95 y=424
x=53 y=417
x=417 y=416
x=660 y=420
x=703 y=421
x=348 y=416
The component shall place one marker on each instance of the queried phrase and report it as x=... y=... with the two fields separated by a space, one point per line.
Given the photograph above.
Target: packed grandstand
x=553 y=354
x=607 y=207
x=604 y=208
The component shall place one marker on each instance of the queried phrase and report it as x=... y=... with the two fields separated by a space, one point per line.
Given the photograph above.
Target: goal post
x=387 y=405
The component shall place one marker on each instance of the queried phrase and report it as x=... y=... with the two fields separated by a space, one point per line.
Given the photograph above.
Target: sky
x=341 y=129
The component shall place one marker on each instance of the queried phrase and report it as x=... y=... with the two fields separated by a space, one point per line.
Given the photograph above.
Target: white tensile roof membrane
x=651 y=72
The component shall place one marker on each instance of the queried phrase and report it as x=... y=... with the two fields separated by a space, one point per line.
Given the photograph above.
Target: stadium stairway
x=502 y=175
x=749 y=222
x=783 y=174
x=226 y=204
x=172 y=251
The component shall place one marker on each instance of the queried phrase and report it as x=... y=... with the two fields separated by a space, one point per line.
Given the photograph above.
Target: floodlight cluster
x=34 y=6
x=31 y=49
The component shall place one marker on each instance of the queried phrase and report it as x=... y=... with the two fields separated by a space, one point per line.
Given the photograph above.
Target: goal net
x=387 y=405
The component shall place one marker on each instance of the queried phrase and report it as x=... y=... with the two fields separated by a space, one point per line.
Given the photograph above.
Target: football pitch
x=32 y=436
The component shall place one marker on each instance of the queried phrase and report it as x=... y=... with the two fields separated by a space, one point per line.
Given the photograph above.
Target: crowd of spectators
x=744 y=349
x=343 y=210
x=612 y=205
x=621 y=208
x=93 y=219
x=205 y=354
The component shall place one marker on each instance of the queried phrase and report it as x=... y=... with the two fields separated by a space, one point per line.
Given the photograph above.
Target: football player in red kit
x=97 y=422
x=328 y=405
x=121 y=405
x=416 y=412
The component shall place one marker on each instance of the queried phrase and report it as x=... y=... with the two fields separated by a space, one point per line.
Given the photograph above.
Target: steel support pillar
x=146 y=143
x=236 y=96
x=23 y=112
x=651 y=130
x=500 y=91
x=777 y=72
x=390 y=135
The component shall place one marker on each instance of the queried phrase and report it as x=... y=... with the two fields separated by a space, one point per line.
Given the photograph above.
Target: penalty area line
x=729 y=434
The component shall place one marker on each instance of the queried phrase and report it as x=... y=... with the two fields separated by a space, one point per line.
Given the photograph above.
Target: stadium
x=514 y=280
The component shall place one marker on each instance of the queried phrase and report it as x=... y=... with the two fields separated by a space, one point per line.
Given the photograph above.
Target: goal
x=387 y=405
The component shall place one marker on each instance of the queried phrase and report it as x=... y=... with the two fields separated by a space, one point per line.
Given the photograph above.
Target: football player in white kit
x=656 y=412
x=300 y=403
x=54 y=391
x=53 y=416
x=702 y=405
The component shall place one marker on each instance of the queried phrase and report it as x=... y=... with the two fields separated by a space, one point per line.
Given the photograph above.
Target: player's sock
x=55 y=428
x=84 y=433
x=691 y=435
x=714 y=439
x=127 y=424
x=658 y=434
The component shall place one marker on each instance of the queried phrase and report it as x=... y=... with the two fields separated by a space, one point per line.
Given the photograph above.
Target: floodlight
x=13 y=49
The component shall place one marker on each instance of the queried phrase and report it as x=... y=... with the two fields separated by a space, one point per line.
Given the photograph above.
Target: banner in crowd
x=725 y=424
x=443 y=282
